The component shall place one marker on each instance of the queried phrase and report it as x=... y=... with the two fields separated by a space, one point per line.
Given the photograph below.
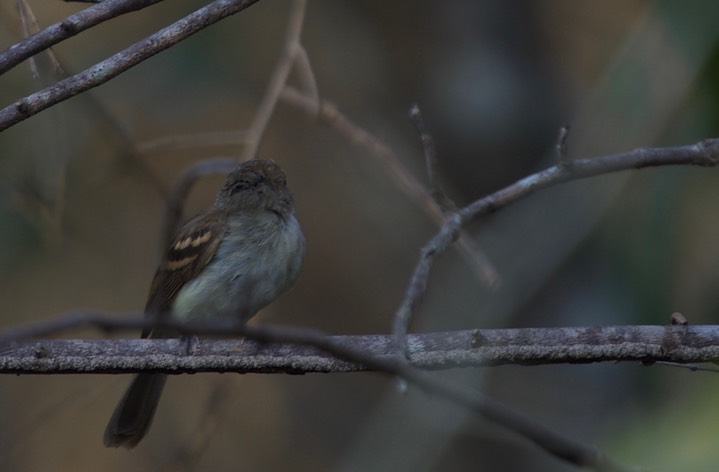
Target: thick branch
x=469 y=348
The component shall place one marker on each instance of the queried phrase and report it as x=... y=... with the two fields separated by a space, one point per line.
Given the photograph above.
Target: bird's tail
x=133 y=415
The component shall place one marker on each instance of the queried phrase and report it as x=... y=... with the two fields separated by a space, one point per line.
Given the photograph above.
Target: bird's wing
x=191 y=250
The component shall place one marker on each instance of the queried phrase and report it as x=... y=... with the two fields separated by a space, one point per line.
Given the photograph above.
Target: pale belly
x=244 y=277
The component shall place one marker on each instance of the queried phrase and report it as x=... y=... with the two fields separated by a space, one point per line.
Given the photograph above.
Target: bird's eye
x=237 y=188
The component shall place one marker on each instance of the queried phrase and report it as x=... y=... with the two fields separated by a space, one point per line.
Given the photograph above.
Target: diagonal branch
x=705 y=153
x=278 y=79
x=115 y=65
x=67 y=28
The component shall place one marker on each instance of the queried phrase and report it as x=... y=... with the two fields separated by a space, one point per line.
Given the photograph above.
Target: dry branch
x=113 y=66
x=278 y=79
x=67 y=28
x=440 y=350
x=704 y=153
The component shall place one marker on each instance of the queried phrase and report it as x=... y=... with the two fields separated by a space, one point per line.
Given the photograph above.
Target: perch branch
x=274 y=349
x=302 y=350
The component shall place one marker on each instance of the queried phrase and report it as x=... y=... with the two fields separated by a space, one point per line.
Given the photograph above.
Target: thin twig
x=562 y=143
x=704 y=153
x=430 y=155
x=277 y=81
x=29 y=26
x=307 y=79
x=120 y=62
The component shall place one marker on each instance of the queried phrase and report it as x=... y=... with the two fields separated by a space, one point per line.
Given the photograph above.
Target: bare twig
x=562 y=143
x=430 y=155
x=307 y=79
x=704 y=153
x=29 y=26
x=277 y=80
x=120 y=62
x=67 y=28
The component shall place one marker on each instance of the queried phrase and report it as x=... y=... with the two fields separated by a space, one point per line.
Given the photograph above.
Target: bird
x=227 y=263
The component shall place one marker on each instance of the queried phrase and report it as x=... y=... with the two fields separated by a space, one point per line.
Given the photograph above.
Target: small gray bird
x=228 y=262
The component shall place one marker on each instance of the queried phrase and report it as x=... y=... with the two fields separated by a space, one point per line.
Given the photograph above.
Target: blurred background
x=81 y=211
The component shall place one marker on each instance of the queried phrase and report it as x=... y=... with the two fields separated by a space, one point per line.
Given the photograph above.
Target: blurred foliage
x=80 y=214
